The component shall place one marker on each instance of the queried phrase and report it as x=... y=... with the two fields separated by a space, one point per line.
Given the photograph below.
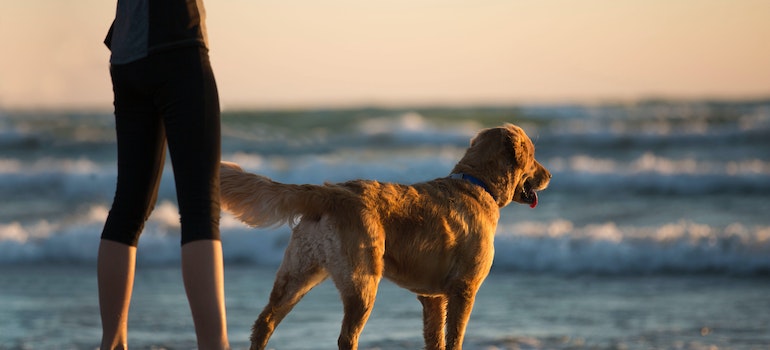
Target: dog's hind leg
x=434 y=320
x=358 y=294
x=289 y=288
x=357 y=284
x=298 y=274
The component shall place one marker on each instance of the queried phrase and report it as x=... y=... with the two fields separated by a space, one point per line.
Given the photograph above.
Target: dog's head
x=504 y=159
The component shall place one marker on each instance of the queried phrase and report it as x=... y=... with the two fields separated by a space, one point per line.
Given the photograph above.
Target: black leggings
x=167 y=97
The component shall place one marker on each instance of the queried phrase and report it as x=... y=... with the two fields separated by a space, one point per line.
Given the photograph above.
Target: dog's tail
x=258 y=201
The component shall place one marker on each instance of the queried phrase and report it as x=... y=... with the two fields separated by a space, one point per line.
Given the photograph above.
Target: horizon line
x=396 y=105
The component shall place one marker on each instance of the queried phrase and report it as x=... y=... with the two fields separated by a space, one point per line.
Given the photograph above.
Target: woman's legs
x=203 y=276
x=181 y=89
x=115 y=272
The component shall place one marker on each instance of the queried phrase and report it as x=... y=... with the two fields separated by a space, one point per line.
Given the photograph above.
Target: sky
x=311 y=53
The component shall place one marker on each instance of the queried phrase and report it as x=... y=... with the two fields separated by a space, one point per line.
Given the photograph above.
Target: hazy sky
x=269 y=53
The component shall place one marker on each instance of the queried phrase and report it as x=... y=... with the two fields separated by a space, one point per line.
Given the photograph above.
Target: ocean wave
x=654 y=164
x=557 y=246
x=654 y=174
x=87 y=181
x=677 y=247
x=706 y=162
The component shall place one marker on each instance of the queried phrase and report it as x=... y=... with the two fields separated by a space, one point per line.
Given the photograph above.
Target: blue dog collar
x=473 y=180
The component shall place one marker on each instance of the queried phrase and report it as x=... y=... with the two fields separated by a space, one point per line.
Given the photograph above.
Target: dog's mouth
x=526 y=194
x=529 y=195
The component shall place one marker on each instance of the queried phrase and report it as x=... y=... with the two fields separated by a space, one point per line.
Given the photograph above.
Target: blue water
x=654 y=229
x=55 y=307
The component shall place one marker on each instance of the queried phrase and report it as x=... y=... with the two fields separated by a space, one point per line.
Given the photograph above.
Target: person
x=164 y=94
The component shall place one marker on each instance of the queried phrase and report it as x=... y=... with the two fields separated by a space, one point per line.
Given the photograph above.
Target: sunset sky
x=303 y=53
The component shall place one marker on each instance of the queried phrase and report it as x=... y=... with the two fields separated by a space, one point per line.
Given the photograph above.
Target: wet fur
x=433 y=238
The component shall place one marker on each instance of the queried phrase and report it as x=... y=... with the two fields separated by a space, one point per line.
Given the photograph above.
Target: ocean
x=653 y=234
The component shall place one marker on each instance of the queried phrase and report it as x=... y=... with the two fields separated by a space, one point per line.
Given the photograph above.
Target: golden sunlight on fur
x=433 y=238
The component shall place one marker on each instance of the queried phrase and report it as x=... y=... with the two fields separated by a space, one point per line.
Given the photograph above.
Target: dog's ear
x=487 y=135
x=518 y=143
x=499 y=145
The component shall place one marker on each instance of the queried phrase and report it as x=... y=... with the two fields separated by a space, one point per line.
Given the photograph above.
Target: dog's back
x=400 y=209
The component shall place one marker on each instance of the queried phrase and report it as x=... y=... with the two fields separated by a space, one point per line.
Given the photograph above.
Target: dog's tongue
x=533 y=195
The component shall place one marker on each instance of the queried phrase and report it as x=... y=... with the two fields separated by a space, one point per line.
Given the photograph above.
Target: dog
x=433 y=238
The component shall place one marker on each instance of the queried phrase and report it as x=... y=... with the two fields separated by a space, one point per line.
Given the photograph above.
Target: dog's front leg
x=433 y=321
x=458 y=312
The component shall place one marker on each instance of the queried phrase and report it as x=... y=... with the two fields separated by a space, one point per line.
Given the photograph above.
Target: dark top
x=146 y=27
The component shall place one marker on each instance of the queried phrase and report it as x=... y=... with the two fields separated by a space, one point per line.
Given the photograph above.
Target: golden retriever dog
x=433 y=238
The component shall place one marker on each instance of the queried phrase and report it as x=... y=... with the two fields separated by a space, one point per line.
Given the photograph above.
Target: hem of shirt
x=119 y=59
